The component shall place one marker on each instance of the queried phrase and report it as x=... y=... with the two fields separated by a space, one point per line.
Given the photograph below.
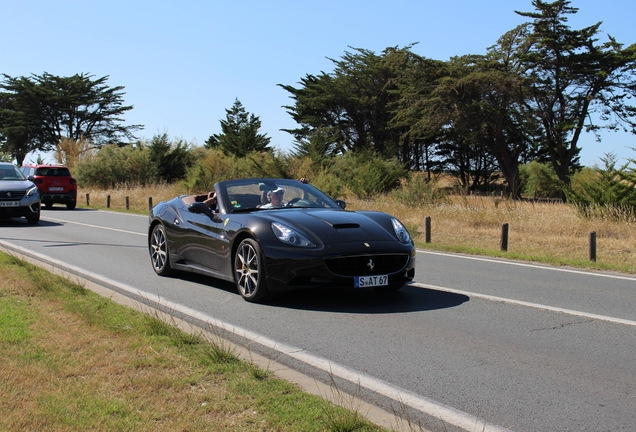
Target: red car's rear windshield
x=55 y=172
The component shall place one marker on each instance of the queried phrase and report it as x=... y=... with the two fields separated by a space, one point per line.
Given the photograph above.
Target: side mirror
x=200 y=208
x=342 y=204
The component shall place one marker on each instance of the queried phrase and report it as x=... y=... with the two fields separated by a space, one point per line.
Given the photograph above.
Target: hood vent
x=346 y=225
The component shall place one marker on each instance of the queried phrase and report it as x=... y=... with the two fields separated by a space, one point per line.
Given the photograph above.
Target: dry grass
x=138 y=196
x=544 y=232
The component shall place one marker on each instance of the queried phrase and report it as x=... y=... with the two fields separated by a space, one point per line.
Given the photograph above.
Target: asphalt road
x=482 y=344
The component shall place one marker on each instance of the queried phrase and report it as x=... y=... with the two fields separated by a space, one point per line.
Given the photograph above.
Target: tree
x=170 y=160
x=19 y=120
x=414 y=83
x=38 y=111
x=351 y=104
x=68 y=152
x=320 y=145
x=239 y=133
x=571 y=82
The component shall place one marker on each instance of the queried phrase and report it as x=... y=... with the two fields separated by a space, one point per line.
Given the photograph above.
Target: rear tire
x=249 y=272
x=159 y=254
x=71 y=205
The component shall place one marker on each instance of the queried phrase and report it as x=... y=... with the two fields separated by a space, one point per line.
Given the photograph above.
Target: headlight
x=401 y=232
x=290 y=236
x=32 y=191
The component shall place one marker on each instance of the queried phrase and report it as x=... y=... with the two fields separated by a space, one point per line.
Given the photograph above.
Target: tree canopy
x=573 y=84
x=530 y=97
x=37 y=112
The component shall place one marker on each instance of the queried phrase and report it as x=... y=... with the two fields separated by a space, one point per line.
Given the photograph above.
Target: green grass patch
x=73 y=360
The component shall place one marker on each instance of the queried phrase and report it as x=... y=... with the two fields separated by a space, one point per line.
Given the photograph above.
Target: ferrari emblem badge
x=370 y=265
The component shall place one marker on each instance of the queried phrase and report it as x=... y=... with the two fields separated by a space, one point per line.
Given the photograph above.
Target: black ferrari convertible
x=269 y=235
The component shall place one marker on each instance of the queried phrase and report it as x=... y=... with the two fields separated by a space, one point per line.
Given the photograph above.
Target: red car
x=55 y=183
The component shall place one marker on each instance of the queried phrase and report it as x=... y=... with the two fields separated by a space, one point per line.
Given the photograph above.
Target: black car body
x=311 y=242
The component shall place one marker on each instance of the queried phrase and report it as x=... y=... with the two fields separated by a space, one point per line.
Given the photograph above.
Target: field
x=538 y=231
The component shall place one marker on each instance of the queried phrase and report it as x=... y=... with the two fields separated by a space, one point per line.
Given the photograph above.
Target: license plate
x=371 y=281
x=9 y=203
x=56 y=189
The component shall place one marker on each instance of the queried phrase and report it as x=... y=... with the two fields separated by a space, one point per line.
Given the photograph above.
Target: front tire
x=33 y=219
x=159 y=254
x=249 y=272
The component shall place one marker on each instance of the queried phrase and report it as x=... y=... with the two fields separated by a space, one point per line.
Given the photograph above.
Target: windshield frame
x=246 y=195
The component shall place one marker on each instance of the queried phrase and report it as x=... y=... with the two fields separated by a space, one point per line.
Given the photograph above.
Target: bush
x=604 y=191
x=113 y=165
x=366 y=174
x=538 y=180
x=170 y=159
x=418 y=191
x=210 y=166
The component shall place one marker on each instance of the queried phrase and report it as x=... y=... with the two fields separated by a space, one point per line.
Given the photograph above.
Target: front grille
x=11 y=195
x=367 y=265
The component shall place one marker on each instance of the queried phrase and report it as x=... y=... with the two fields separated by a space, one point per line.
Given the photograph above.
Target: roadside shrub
x=267 y=164
x=417 y=191
x=170 y=159
x=538 y=180
x=366 y=174
x=210 y=166
x=113 y=165
x=604 y=191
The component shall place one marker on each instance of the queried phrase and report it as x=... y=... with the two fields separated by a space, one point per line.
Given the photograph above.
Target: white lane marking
x=96 y=226
x=528 y=304
x=445 y=413
x=521 y=264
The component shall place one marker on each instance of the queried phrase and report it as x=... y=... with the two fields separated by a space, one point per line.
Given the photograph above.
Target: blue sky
x=184 y=63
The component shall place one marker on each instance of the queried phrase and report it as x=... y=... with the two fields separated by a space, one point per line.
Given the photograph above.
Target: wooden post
x=107 y=201
x=88 y=201
x=149 y=203
x=427 y=225
x=592 y=246
x=504 y=237
x=127 y=203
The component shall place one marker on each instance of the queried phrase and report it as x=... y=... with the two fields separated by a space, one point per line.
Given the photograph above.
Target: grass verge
x=72 y=360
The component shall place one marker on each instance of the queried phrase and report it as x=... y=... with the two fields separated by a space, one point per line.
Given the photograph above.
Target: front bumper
x=28 y=206
x=291 y=271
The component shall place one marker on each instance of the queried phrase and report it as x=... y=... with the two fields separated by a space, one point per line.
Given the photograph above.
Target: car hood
x=16 y=185
x=340 y=226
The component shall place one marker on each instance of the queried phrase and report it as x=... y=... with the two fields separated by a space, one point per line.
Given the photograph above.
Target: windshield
x=53 y=172
x=269 y=194
x=10 y=172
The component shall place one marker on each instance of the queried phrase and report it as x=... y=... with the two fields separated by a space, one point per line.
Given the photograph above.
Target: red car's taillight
x=72 y=181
